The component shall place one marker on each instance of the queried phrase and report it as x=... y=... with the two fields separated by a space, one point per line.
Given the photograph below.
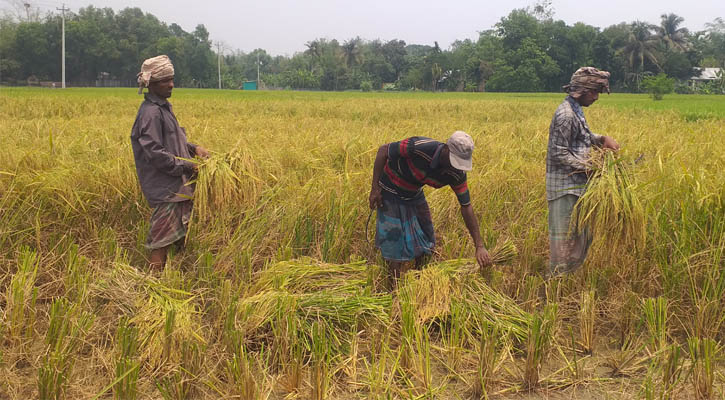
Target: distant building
x=249 y=85
x=707 y=75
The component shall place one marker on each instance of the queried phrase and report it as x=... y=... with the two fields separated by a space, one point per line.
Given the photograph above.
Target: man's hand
x=482 y=257
x=609 y=143
x=202 y=152
x=376 y=198
x=191 y=166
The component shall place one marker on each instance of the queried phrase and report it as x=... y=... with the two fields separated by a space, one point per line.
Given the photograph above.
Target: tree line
x=99 y=42
x=526 y=51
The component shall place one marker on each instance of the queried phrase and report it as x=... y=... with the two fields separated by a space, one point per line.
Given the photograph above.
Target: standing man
x=404 y=230
x=159 y=148
x=570 y=141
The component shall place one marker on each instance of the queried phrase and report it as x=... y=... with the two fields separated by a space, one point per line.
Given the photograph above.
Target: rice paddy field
x=279 y=292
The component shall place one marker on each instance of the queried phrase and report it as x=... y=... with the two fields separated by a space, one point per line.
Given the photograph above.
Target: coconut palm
x=352 y=52
x=641 y=46
x=717 y=25
x=674 y=37
x=314 y=50
x=436 y=74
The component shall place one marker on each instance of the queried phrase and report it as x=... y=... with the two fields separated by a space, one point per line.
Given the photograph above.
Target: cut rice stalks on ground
x=165 y=318
x=437 y=286
x=302 y=293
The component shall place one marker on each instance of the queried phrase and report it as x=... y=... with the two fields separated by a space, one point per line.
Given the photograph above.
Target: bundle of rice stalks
x=485 y=302
x=166 y=319
x=429 y=291
x=307 y=294
x=610 y=208
x=223 y=181
x=503 y=252
x=254 y=312
x=344 y=311
x=306 y=276
x=433 y=289
x=119 y=288
x=497 y=309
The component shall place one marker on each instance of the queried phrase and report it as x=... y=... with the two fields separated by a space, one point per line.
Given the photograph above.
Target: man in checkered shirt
x=570 y=141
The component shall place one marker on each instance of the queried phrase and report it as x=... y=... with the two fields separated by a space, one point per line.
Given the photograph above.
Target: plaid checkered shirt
x=570 y=141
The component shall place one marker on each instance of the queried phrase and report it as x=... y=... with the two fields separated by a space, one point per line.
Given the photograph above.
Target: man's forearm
x=162 y=159
x=472 y=224
x=191 y=147
x=561 y=155
x=380 y=159
x=597 y=140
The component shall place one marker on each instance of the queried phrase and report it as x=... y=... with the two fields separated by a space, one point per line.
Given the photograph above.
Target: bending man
x=404 y=230
x=159 y=144
x=570 y=141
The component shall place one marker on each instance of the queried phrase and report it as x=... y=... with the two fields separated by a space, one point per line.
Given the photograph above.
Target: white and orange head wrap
x=154 y=69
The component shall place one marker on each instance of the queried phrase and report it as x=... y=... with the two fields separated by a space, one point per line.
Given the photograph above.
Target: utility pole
x=258 y=70
x=219 y=62
x=63 y=10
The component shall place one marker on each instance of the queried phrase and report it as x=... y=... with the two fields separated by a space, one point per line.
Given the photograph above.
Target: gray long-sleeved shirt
x=158 y=141
x=570 y=141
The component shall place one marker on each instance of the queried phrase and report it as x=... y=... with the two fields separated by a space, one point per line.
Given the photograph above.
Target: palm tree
x=717 y=25
x=314 y=50
x=352 y=51
x=674 y=37
x=436 y=74
x=641 y=46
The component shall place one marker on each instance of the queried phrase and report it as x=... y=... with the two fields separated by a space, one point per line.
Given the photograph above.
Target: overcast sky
x=282 y=27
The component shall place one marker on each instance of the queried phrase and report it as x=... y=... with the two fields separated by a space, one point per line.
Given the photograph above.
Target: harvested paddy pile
x=278 y=294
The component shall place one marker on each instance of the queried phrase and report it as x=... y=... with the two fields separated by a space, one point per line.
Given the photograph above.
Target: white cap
x=460 y=148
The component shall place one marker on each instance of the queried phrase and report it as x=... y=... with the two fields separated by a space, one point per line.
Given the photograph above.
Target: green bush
x=366 y=86
x=683 y=87
x=658 y=86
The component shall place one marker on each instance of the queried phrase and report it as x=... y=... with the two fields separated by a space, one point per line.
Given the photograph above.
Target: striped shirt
x=570 y=141
x=415 y=162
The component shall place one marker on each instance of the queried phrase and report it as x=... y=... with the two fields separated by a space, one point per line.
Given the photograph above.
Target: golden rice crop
x=277 y=284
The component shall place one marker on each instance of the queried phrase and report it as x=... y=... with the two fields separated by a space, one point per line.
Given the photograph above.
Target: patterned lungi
x=169 y=223
x=404 y=229
x=568 y=247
